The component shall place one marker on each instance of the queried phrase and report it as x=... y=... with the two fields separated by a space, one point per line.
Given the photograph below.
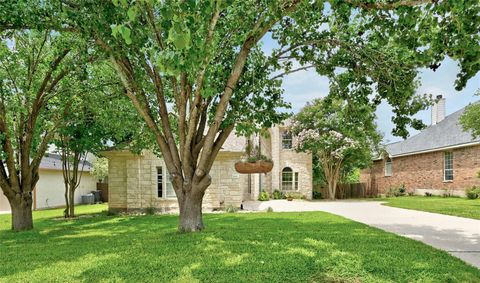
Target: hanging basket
x=261 y=166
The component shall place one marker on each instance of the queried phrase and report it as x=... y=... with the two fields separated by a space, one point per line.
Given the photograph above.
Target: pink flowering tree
x=340 y=135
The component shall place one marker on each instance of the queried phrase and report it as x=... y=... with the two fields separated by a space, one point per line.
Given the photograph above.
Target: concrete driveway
x=456 y=235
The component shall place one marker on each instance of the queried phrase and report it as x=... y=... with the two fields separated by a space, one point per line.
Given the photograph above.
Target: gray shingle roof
x=446 y=133
x=53 y=161
x=234 y=143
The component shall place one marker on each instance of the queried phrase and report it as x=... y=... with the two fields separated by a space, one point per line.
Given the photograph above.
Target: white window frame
x=288 y=184
x=287 y=137
x=448 y=166
x=295 y=180
x=159 y=174
x=167 y=187
x=388 y=167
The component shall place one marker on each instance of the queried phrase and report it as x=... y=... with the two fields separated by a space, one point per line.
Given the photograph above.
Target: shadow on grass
x=254 y=247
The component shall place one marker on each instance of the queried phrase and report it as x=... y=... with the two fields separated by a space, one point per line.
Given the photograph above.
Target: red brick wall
x=425 y=171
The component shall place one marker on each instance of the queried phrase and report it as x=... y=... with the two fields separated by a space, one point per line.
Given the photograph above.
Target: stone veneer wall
x=299 y=162
x=424 y=172
x=133 y=182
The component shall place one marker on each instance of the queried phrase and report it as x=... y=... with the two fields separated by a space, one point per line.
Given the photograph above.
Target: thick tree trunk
x=22 y=213
x=191 y=211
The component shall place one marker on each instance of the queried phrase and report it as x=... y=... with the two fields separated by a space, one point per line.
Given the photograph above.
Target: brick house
x=441 y=159
x=141 y=181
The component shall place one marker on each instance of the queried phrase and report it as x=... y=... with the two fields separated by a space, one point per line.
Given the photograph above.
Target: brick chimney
x=438 y=110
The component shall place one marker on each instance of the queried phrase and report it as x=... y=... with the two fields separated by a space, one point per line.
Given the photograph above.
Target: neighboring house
x=50 y=189
x=141 y=181
x=442 y=158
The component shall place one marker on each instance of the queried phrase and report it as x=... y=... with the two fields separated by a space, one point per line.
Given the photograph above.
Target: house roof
x=447 y=133
x=234 y=143
x=53 y=161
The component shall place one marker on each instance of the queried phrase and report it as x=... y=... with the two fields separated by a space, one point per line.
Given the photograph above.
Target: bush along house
x=443 y=159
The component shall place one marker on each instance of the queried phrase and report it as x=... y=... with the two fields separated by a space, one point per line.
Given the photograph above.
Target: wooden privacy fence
x=344 y=191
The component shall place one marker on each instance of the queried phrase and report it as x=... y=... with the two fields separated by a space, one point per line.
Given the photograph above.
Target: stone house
x=140 y=181
x=442 y=158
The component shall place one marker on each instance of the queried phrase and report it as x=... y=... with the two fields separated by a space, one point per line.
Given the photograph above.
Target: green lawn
x=246 y=247
x=452 y=205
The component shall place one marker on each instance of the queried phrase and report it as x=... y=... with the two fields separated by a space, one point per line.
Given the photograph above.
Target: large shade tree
x=195 y=70
x=35 y=71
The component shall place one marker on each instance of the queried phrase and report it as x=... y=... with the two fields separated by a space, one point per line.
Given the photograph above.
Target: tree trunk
x=71 y=203
x=191 y=211
x=22 y=213
x=331 y=189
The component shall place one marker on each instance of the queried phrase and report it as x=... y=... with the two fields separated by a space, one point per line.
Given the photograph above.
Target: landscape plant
x=473 y=192
x=100 y=168
x=278 y=194
x=263 y=196
x=340 y=134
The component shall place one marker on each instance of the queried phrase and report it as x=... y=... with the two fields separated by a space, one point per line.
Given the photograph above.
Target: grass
x=445 y=205
x=247 y=247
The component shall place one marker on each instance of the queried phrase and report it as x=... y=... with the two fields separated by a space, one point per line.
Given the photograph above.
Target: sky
x=304 y=86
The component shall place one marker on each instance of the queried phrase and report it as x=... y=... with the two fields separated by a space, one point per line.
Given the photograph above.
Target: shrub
x=396 y=191
x=231 y=209
x=150 y=210
x=428 y=194
x=263 y=196
x=278 y=195
x=269 y=209
x=111 y=212
x=295 y=196
x=255 y=158
x=473 y=192
x=317 y=195
x=447 y=194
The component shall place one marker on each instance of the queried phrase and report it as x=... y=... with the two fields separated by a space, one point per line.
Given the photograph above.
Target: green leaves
x=124 y=31
x=179 y=35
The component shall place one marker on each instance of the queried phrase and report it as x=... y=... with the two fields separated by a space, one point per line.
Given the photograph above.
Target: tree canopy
x=340 y=134
x=470 y=119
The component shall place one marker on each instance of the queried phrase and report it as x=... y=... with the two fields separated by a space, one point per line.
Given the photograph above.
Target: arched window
x=287 y=140
x=287 y=179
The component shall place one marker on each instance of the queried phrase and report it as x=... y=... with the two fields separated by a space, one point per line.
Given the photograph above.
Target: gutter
x=433 y=150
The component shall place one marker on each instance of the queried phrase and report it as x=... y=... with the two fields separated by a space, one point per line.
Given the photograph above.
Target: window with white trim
x=448 y=166
x=160 y=182
x=295 y=181
x=164 y=185
x=388 y=167
x=287 y=179
x=287 y=140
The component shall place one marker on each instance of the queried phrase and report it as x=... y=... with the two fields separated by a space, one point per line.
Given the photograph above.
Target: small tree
x=100 y=169
x=94 y=123
x=340 y=135
x=470 y=120
x=80 y=135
